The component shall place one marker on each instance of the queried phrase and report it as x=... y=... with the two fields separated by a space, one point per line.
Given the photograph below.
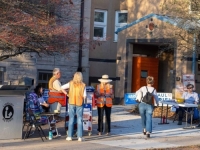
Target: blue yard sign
x=130 y=98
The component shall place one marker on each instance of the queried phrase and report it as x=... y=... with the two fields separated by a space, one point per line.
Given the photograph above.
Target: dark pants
x=180 y=111
x=100 y=118
x=46 y=109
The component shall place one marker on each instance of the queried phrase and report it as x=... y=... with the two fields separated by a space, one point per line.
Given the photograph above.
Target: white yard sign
x=188 y=79
x=164 y=96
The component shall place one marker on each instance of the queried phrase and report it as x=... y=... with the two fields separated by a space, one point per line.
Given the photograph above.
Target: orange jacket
x=51 y=83
x=76 y=94
x=57 y=97
x=102 y=100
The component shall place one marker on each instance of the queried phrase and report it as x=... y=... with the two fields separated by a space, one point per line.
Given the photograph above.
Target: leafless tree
x=185 y=14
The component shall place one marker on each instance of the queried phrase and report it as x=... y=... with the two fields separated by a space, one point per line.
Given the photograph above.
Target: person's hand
x=64 y=91
x=46 y=105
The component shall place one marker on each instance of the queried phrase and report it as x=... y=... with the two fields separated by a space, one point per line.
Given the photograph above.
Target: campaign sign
x=90 y=89
x=188 y=79
x=164 y=96
x=130 y=98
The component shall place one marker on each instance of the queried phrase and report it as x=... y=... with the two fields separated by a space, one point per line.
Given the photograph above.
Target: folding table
x=186 y=105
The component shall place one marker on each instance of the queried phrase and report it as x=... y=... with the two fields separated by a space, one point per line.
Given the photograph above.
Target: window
x=44 y=77
x=144 y=73
x=194 y=6
x=1 y=77
x=100 y=24
x=121 y=18
x=2 y=70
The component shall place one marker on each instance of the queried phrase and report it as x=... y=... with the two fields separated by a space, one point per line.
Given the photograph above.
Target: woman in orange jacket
x=77 y=95
x=104 y=92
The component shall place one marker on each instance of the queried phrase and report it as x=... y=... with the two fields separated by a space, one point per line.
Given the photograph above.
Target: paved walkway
x=126 y=133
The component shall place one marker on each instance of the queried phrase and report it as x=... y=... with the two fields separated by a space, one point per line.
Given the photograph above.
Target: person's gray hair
x=56 y=70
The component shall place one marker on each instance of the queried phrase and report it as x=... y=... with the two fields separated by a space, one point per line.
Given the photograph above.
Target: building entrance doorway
x=141 y=68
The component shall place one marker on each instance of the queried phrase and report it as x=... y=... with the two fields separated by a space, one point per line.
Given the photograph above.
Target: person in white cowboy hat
x=104 y=93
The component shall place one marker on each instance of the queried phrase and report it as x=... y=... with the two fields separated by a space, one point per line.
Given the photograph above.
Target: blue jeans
x=75 y=110
x=146 y=111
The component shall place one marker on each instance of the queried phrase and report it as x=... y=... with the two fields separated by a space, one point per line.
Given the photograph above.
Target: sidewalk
x=127 y=130
x=126 y=133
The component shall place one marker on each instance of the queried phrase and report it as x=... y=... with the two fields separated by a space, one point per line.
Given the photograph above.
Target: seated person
x=39 y=91
x=33 y=103
x=190 y=97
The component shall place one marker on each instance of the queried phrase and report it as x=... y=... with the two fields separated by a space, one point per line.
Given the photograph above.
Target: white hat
x=105 y=78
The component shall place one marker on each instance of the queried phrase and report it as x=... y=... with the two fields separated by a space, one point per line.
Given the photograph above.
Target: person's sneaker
x=81 y=139
x=144 y=131
x=53 y=121
x=179 y=123
x=108 y=133
x=57 y=135
x=198 y=126
x=68 y=139
x=99 y=133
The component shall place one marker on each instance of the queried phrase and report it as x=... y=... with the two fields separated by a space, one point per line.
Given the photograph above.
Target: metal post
x=194 y=55
x=80 y=69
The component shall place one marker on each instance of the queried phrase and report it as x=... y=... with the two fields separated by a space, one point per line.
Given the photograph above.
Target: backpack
x=148 y=97
x=139 y=96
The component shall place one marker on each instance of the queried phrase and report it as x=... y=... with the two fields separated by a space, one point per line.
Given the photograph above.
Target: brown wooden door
x=141 y=68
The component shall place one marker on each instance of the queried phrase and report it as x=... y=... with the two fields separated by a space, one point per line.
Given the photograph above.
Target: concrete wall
x=113 y=50
x=171 y=65
x=138 y=34
x=107 y=51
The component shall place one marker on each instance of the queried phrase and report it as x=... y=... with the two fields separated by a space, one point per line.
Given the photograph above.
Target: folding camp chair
x=33 y=122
